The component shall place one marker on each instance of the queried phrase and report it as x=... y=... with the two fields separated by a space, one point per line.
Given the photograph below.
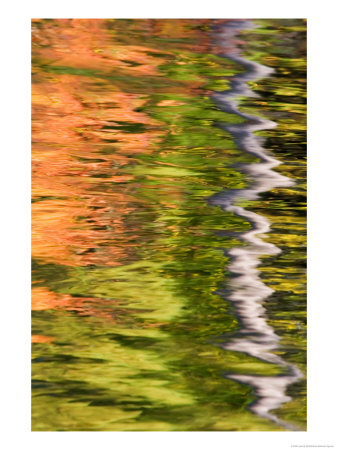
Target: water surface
x=168 y=225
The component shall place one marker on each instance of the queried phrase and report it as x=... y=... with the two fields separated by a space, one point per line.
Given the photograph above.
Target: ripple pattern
x=247 y=292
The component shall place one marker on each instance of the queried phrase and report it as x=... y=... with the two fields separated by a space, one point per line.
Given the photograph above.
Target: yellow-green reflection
x=127 y=253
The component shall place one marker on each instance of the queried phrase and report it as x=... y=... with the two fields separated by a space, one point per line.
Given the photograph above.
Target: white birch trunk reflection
x=247 y=292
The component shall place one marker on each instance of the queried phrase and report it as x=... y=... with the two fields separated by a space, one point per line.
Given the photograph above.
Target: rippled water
x=168 y=214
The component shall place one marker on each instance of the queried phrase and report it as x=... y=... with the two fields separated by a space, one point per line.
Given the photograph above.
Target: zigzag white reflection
x=247 y=292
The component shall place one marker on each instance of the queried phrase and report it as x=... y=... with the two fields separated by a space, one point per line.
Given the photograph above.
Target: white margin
x=15 y=224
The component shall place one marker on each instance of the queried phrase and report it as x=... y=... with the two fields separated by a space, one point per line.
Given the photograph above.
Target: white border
x=15 y=232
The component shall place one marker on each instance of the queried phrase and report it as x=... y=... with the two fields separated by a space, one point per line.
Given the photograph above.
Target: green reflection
x=137 y=346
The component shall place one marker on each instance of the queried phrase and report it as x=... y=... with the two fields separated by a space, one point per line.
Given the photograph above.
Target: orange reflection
x=40 y=339
x=86 y=128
